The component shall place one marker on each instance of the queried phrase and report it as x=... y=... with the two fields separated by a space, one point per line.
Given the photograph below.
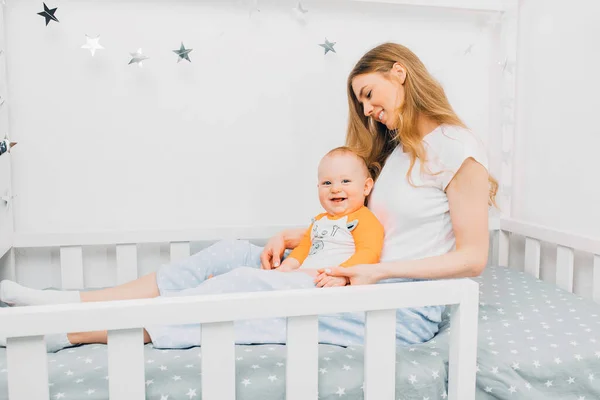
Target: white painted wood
x=596 y=287
x=162 y=236
x=552 y=236
x=179 y=250
x=71 y=267
x=564 y=268
x=10 y=267
x=503 y=248
x=463 y=345
x=126 y=263
x=532 y=257
x=302 y=362
x=27 y=365
x=476 y=5
x=25 y=240
x=126 y=364
x=380 y=355
x=93 y=316
x=218 y=361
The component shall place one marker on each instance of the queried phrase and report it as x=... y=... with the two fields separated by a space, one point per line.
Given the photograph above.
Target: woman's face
x=380 y=96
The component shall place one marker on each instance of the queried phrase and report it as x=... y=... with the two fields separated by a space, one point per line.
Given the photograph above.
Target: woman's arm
x=292 y=237
x=273 y=251
x=468 y=195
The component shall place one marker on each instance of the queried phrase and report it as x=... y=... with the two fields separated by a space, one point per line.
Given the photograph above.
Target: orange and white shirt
x=355 y=238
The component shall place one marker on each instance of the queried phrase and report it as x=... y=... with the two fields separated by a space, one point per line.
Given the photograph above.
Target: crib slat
x=380 y=355
x=564 y=268
x=503 y=248
x=126 y=263
x=596 y=287
x=532 y=257
x=126 y=364
x=71 y=267
x=27 y=364
x=218 y=361
x=179 y=250
x=462 y=352
x=302 y=369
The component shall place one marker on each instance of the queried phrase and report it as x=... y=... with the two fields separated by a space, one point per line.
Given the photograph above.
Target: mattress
x=535 y=342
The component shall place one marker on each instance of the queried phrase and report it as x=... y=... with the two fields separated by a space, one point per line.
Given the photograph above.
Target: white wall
x=558 y=136
x=232 y=138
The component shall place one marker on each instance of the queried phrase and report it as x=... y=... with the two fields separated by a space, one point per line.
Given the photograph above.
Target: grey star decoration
x=183 y=53
x=137 y=57
x=48 y=14
x=328 y=46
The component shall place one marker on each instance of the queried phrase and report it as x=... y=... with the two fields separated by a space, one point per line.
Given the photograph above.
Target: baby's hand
x=324 y=280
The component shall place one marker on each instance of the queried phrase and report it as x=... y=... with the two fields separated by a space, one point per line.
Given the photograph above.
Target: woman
x=431 y=194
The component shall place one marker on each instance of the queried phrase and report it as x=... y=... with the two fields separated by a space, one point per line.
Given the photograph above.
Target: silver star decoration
x=182 y=53
x=328 y=46
x=92 y=44
x=506 y=65
x=137 y=57
x=7 y=198
x=300 y=9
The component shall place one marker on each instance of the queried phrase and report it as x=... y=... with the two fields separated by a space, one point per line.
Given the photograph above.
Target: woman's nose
x=368 y=109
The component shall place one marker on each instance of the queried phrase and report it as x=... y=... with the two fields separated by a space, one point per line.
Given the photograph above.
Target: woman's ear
x=368 y=186
x=400 y=72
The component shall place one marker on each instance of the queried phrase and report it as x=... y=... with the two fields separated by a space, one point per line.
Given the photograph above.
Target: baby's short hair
x=345 y=150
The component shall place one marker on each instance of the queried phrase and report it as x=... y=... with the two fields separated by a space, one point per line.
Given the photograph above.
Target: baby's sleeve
x=451 y=149
x=301 y=251
x=368 y=239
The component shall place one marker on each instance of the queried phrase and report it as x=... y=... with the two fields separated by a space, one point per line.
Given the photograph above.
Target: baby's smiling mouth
x=337 y=199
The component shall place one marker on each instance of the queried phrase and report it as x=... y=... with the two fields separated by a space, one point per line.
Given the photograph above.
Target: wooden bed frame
x=125 y=319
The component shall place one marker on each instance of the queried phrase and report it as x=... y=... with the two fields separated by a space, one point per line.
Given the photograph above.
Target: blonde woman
x=431 y=194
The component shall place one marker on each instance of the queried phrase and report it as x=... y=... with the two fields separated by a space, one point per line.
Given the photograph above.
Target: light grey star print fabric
x=535 y=342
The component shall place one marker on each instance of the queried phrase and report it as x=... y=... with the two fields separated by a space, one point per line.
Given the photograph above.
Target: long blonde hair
x=423 y=95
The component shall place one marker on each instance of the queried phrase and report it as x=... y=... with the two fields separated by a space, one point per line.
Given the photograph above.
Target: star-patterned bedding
x=535 y=342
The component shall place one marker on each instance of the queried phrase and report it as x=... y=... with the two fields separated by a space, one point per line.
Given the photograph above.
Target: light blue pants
x=235 y=265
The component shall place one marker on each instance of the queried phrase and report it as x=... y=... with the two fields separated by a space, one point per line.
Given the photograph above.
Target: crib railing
x=27 y=359
x=566 y=245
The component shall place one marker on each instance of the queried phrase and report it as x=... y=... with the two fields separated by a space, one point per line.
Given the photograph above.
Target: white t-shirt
x=417 y=220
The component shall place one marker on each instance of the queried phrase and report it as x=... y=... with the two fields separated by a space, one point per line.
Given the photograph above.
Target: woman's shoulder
x=445 y=135
x=452 y=144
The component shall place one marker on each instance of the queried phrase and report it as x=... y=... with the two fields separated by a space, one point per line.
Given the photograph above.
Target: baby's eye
x=346 y=181
x=326 y=183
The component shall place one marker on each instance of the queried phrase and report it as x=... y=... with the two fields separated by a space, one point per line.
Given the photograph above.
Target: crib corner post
x=27 y=364
x=463 y=343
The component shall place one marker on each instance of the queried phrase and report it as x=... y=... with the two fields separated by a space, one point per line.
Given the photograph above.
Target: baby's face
x=343 y=183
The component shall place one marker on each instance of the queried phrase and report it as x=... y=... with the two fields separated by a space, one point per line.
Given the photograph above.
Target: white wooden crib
x=26 y=352
x=125 y=319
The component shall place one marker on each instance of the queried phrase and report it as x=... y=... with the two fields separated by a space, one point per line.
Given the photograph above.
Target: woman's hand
x=324 y=280
x=270 y=257
x=272 y=253
x=362 y=274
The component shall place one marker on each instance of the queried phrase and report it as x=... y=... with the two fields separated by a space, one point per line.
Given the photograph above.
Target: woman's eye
x=369 y=94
